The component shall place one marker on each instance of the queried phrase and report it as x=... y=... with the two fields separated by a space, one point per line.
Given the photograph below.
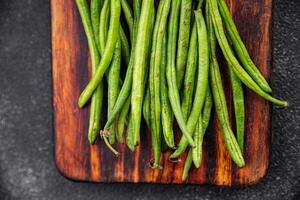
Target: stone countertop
x=27 y=169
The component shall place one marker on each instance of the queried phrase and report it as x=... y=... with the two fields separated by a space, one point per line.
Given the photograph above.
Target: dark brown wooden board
x=77 y=160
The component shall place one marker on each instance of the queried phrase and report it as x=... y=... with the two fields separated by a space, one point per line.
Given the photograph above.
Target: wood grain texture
x=78 y=160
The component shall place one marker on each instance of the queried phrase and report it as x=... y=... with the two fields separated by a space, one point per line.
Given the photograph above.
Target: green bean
x=96 y=102
x=128 y=16
x=113 y=33
x=220 y=100
x=198 y=138
x=191 y=68
x=103 y=26
x=139 y=67
x=183 y=39
x=207 y=109
x=125 y=47
x=171 y=70
x=95 y=18
x=122 y=119
x=146 y=108
x=166 y=110
x=187 y=165
x=240 y=48
x=239 y=107
x=126 y=88
x=202 y=81
x=205 y=121
x=114 y=87
x=129 y=134
x=230 y=58
x=154 y=77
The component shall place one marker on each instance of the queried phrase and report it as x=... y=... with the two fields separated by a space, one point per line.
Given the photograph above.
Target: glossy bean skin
x=113 y=89
x=128 y=15
x=202 y=81
x=241 y=49
x=183 y=39
x=239 y=107
x=95 y=9
x=230 y=58
x=96 y=102
x=113 y=33
x=139 y=67
x=126 y=87
x=166 y=110
x=220 y=100
x=171 y=70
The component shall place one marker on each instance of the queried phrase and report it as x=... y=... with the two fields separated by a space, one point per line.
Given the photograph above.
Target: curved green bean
x=240 y=48
x=139 y=67
x=220 y=100
x=96 y=102
x=230 y=58
x=183 y=39
x=171 y=70
x=126 y=88
x=202 y=81
x=113 y=33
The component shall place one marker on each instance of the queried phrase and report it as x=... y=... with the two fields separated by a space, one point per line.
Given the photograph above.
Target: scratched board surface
x=78 y=160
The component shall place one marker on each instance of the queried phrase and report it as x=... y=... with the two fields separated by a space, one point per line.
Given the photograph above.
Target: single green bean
x=198 y=138
x=183 y=39
x=171 y=70
x=129 y=134
x=103 y=26
x=96 y=102
x=113 y=33
x=146 y=108
x=95 y=18
x=202 y=81
x=220 y=100
x=239 y=107
x=166 y=110
x=241 y=49
x=125 y=47
x=128 y=16
x=139 y=66
x=122 y=118
x=126 y=88
x=191 y=68
x=114 y=87
x=187 y=165
x=230 y=58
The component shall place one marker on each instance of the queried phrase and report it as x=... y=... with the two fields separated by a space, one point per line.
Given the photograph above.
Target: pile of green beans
x=168 y=51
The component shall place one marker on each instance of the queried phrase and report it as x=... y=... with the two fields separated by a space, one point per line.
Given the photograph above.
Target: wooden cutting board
x=78 y=160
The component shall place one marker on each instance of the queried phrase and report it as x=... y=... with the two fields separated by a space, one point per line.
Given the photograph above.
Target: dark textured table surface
x=27 y=169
